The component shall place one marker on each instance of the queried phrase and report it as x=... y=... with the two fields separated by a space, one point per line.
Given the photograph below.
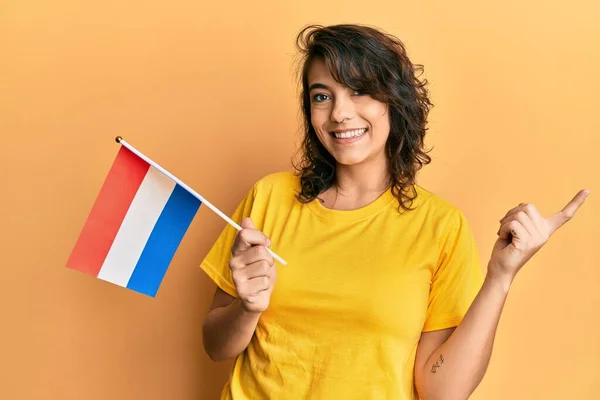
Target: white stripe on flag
x=146 y=207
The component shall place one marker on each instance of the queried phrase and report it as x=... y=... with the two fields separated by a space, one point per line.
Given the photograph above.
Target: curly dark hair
x=374 y=62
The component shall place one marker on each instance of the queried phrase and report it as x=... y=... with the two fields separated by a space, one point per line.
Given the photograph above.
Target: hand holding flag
x=137 y=223
x=252 y=268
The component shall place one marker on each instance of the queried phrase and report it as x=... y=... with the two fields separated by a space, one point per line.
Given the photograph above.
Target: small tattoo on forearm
x=437 y=364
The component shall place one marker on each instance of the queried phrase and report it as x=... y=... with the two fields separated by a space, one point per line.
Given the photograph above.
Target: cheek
x=318 y=119
x=381 y=118
x=376 y=114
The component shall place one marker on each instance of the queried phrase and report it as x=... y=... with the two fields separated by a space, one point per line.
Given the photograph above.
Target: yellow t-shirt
x=360 y=286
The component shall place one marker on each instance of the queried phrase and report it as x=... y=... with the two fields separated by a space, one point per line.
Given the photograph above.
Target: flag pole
x=122 y=141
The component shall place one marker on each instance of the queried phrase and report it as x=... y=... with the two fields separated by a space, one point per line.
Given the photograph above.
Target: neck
x=357 y=185
x=360 y=180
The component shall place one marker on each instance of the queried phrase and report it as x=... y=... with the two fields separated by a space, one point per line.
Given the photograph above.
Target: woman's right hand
x=252 y=268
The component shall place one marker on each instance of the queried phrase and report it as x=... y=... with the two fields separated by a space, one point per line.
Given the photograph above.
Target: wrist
x=499 y=279
x=243 y=311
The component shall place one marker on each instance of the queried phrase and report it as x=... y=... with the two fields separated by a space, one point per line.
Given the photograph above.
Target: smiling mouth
x=349 y=134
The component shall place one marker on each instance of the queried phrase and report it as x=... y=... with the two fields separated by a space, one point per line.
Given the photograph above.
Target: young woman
x=383 y=296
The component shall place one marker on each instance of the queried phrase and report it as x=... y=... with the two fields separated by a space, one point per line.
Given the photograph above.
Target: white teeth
x=350 y=134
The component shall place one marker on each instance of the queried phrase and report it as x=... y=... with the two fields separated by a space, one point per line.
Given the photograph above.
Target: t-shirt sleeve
x=216 y=262
x=458 y=276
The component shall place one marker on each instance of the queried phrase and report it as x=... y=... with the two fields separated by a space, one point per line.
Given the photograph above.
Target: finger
x=243 y=275
x=251 y=255
x=247 y=223
x=257 y=269
x=257 y=285
x=561 y=217
x=511 y=212
x=525 y=220
x=537 y=219
x=513 y=231
x=530 y=209
x=249 y=236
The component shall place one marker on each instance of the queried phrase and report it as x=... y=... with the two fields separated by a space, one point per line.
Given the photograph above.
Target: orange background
x=207 y=90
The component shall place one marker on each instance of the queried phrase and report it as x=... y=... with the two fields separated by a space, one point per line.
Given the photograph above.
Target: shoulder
x=438 y=209
x=432 y=201
x=446 y=223
x=281 y=184
x=277 y=180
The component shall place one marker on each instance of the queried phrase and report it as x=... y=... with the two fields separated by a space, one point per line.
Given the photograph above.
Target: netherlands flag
x=135 y=226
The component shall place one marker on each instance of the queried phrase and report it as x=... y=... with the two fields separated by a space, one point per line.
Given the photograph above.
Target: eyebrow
x=318 y=86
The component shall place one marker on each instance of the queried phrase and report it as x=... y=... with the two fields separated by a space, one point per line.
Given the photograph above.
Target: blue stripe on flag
x=168 y=232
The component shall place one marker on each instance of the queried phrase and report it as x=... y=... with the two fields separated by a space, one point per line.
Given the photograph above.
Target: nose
x=343 y=108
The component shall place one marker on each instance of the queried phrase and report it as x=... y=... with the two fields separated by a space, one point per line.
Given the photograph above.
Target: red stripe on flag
x=107 y=214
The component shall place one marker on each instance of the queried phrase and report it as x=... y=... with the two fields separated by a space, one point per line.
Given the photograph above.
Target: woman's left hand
x=523 y=231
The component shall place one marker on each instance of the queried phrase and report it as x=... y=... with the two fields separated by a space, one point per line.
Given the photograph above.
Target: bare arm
x=450 y=364
x=228 y=327
x=231 y=321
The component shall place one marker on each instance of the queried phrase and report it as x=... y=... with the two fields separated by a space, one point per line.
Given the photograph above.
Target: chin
x=350 y=159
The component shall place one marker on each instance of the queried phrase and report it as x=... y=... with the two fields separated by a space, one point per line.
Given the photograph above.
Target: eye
x=359 y=92
x=320 y=97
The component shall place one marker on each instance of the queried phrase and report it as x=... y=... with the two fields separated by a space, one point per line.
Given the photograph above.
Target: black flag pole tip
x=118 y=139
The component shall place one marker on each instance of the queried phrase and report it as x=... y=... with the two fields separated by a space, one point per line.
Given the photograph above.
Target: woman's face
x=352 y=126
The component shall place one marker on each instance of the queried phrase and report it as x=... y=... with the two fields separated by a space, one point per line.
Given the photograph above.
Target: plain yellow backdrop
x=207 y=89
